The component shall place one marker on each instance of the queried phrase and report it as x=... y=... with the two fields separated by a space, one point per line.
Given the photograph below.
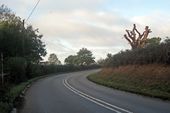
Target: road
x=73 y=93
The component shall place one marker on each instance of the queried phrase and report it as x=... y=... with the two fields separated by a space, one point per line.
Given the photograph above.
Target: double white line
x=95 y=100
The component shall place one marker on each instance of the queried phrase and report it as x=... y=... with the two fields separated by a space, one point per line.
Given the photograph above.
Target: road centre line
x=95 y=100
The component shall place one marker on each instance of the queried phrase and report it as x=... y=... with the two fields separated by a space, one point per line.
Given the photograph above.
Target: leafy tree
x=109 y=55
x=85 y=57
x=17 y=40
x=20 y=44
x=17 y=66
x=53 y=59
x=71 y=60
x=153 y=41
x=167 y=48
x=101 y=62
x=167 y=40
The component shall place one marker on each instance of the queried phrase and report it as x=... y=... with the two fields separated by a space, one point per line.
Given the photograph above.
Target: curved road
x=73 y=93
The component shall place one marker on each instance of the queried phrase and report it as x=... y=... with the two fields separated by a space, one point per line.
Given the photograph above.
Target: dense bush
x=65 y=68
x=5 y=107
x=34 y=70
x=159 y=54
x=17 y=68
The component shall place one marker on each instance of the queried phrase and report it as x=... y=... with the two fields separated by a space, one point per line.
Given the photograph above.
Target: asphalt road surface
x=73 y=93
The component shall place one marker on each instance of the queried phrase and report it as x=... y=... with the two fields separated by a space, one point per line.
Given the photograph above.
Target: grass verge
x=148 y=80
x=13 y=94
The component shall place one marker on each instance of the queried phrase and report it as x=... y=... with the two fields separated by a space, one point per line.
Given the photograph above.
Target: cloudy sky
x=98 y=25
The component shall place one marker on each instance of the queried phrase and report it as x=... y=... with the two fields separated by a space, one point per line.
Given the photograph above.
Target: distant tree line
x=153 y=52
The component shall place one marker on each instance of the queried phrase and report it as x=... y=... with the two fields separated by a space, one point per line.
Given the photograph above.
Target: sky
x=98 y=25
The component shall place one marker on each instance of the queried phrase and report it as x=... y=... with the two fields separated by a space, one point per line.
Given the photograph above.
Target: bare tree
x=135 y=38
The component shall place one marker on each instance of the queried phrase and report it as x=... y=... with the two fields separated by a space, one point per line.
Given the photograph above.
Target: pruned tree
x=137 y=39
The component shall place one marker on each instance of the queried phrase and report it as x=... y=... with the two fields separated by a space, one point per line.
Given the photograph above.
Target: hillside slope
x=151 y=80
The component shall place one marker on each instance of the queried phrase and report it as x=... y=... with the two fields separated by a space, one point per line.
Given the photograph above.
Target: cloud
x=67 y=5
x=24 y=7
x=158 y=22
x=99 y=31
x=83 y=27
x=99 y=25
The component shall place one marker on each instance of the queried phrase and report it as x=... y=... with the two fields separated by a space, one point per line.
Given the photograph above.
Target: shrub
x=5 y=107
x=34 y=70
x=17 y=67
x=152 y=54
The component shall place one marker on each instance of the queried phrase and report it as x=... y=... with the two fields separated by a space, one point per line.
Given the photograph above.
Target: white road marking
x=95 y=100
x=91 y=99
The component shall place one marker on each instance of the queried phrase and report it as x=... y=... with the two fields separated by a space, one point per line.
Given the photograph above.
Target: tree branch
x=146 y=33
x=135 y=38
x=130 y=35
x=134 y=26
x=128 y=40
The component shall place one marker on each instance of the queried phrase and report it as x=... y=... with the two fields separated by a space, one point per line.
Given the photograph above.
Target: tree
x=20 y=44
x=101 y=62
x=109 y=55
x=167 y=40
x=53 y=59
x=17 y=67
x=135 y=38
x=153 y=41
x=17 y=40
x=167 y=48
x=71 y=60
x=85 y=57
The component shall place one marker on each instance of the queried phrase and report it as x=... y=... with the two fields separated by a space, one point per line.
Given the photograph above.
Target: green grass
x=14 y=92
x=132 y=84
